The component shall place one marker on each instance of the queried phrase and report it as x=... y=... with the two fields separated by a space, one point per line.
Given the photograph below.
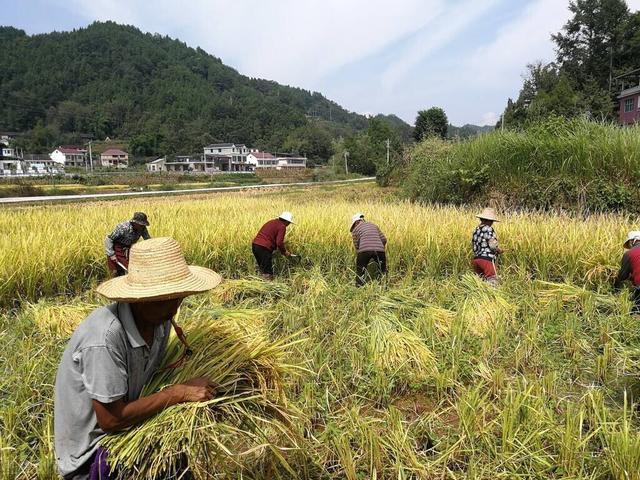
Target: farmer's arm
x=145 y=234
x=109 y=239
x=625 y=271
x=383 y=239
x=280 y=240
x=119 y=415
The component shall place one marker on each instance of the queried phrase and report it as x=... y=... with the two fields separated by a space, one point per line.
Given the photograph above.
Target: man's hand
x=195 y=390
x=500 y=251
x=113 y=258
x=287 y=253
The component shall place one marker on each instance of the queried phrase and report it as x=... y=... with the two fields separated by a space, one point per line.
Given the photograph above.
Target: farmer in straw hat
x=115 y=351
x=485 y=247
x=630 y=268
x=269 y=239
x=118 y=242
x=370 y=244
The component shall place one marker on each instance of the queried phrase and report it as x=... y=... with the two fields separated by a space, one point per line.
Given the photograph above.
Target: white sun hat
x=286 y=216
x=356 y=217
x=158 y=271
x=633 y=235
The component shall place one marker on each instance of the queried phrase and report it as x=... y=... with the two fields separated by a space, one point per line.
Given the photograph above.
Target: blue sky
x=371 y=56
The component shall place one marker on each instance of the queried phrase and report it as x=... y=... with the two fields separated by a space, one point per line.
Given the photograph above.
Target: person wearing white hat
x=370 y=244
x=630 y=268
x=484 y=243
x=116 y=350
x=270 y=238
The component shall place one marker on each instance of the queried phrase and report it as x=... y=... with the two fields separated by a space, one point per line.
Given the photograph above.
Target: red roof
x=114 y=151
x=263 y=155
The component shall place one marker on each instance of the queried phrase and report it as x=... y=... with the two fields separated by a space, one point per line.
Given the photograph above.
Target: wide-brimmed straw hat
x=286 y=216
x=633 y=235
x=158 y=271
x=488 y=214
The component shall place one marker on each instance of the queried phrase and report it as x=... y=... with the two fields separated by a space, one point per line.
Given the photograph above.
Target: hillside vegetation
x=113 y=80
x=569 y=164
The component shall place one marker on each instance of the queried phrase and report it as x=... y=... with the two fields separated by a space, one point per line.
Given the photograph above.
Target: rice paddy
x=429 y=373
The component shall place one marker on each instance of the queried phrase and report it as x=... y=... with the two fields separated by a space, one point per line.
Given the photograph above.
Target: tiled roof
x=114 y=151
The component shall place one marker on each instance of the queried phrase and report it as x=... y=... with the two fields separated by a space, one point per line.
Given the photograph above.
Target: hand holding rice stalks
x=246 y=427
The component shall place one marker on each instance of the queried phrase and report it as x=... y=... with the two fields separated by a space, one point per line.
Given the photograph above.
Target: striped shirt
x=367 y=237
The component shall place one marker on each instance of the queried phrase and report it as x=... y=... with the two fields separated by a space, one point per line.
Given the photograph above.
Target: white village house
x=10 y=162
x=114 y=158
x=261 y=159
x=69 y=156
x=157 y=165
x=227 y=157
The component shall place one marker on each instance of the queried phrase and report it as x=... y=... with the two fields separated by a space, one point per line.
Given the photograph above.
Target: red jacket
x=271 y=235
x=630 y=267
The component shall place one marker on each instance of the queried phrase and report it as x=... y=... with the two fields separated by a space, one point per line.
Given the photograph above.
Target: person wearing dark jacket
x=370 y=244
x=630 y=269
x=269 y=239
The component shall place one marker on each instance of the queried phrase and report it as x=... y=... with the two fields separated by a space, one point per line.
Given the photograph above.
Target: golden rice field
x=428 y=374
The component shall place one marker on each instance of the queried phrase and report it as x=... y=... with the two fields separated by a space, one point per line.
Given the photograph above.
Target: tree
x=432 y=122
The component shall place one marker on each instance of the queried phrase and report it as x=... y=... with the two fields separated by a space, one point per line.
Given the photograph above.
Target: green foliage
x=113 y=80
x=598 y=42
x=432 y=122
x=572 y=164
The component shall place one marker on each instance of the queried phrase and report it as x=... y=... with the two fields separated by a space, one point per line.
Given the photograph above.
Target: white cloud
x=489 y=118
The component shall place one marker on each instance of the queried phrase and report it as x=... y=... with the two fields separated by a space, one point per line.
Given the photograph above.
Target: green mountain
x=111 y=80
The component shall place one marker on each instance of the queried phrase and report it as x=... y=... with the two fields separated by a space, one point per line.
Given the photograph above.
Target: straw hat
x=356 y=217
x=633 y=235
x=286 y=216
x=488 y=214
x=158 y=271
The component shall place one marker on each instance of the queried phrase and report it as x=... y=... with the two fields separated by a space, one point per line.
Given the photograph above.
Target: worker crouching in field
x=116 y=350
x=370 y=244
x=269 y=238
x=118 y=242
x=630 y=269
x=485 y=247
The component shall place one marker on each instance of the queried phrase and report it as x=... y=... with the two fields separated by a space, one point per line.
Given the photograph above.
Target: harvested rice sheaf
x=573 y=297
x=232 y=291
x=485 y=306
x=59 y=320
x=246 y=427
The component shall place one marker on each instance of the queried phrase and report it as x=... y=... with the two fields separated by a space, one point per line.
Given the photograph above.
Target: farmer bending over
x=485 y=247
x=116 y=350
x=118 y=242
x=630 y=269
x=269 y=238
x=370 y=244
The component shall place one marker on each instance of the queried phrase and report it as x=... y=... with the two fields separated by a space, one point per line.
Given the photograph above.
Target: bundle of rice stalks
x=246 y=428
x=485 y=306
x=574 y=297
x=439 y=318
x=233 y=291
x=59 y=320
x=398 y=352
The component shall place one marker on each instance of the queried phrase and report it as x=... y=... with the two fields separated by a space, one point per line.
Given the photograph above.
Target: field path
x=193 y=191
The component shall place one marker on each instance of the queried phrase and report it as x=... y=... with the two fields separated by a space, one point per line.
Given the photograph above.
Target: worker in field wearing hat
x=116 y=350
x=370 y=244
x=270 y=238
x=630 y=268
x=118 y=242
x=485 y=247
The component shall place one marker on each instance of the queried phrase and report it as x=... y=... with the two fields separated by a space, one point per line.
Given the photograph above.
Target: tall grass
x=573 y=164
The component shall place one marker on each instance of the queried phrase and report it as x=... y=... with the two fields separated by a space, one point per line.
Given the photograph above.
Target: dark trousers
x=362 y=262
x=264 y=257
x=635 y=297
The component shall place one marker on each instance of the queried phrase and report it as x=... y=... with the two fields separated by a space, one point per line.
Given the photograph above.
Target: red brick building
x=629 y=109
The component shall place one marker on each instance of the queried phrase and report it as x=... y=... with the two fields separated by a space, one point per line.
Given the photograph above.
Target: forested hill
x=113 y=80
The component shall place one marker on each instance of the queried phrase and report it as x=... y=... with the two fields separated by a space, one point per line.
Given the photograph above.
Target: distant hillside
x=113 y=80
x=467 y=131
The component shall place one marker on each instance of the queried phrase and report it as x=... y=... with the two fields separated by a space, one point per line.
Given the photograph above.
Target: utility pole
x=387 y=151
x=90 y=155
x=346 y=166
x=502 y=122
